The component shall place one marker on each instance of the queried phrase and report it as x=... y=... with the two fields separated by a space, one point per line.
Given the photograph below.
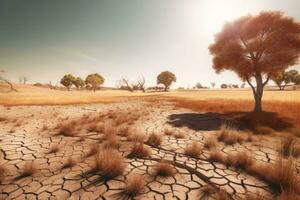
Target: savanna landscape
x=83 y=139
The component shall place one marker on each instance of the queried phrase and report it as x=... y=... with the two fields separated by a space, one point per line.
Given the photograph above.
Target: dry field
x=175 y=145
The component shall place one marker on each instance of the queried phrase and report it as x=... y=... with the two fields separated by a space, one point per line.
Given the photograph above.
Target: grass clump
x=154 y=140
x=110 y=163
x=193 y=150
x=139 y=150
x=164 y=169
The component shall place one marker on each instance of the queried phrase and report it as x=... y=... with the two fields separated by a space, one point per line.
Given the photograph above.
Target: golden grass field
x=285 y=103
x=32 y=95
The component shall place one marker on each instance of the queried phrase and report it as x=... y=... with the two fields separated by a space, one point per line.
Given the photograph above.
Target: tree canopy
x=94 y=81
x=166 y=78
x=67 y=81
x=256 y=47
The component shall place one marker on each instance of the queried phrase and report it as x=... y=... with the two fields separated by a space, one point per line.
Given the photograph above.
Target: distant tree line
x=94 y=82
x=283 y=78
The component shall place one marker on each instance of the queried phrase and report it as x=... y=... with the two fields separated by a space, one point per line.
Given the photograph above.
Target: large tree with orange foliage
x=256 y=47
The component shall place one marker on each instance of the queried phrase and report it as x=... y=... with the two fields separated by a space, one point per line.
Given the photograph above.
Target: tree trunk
x=166 y=88
x=258 y=94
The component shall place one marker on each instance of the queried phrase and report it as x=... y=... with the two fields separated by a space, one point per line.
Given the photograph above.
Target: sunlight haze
x=43 y=40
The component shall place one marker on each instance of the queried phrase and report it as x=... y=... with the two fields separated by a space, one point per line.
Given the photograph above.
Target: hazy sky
x=43 y=39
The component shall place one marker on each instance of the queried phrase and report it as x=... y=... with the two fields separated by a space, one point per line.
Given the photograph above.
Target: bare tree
x=23 y=79
x=2 y=79
x=141 y=84
x=124 y=84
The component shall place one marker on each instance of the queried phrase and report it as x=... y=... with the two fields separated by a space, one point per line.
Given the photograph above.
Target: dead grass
x=139 y=150
x=135 y=185
x=287 y=112
x=222 y=195
x=288 y=147
x=164 y=169
x=210 y=142
x=281 y=176
x=53 y=148
x=193 y=150
x=154 y=140
x=70 y=163
x=217 y=156
x=110 y=163
x=28 y=169
x=136 y=137
x=123 y=130
x=67 y=130
x=179 y=135
x=94 y=149
x=168 y=132
x=206 y=191
x=230 y=135
x=241 y=160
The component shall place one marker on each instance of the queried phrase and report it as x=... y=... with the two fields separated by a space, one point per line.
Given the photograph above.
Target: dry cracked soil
x=29 y=132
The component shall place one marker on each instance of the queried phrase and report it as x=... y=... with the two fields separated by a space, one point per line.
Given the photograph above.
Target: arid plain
x=122 y=145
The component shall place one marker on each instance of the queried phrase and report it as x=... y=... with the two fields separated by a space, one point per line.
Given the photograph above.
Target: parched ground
x=28 y=132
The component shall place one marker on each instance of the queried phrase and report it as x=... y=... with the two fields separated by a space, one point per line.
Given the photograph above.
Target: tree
x=255 y=47
x=124 y=85
x=166 y=78
x=243 y=85
x=78 y=82
x=198 y=85
x=297 y=80
x=141 y=84
x=2 y=79
x=213 y=84
x=223 y=85
x=94 y=81
x=282 y=78
x=67 y=81
x=23 y=80
x=292 y=75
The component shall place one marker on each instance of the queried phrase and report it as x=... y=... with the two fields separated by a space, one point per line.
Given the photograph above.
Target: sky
x=45 y=39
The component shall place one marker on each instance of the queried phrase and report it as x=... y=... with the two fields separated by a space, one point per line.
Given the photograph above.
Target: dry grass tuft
x=222 y=195
x=136 y=137
x=229 y=135
x=179 y=135
x=210 y=142
x=67 y=130
x=123 y=130
x=110 y=163
x=94 y=149
x=53 y=148
x=206 y=191
x=241 y=160
x=45 y=127
x=193 y=150
x=70 y=163
x=288 y=147
x=154 y=140
x=217 y=156
x=139 y=150
x=164 y=169
x=28 y=169
x=281 y=176
x=168 y=132
x=135 y=185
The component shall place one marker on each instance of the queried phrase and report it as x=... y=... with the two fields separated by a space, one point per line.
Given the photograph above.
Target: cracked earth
x=29 y=133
